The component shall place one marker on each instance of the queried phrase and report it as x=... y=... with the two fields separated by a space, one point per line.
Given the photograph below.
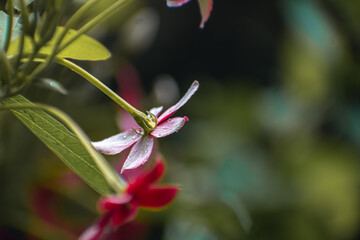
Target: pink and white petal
x=156 y=110
x=176 y=3
x=140 y=153
x=95 y=231
x=125 y=121
x=169 y=127
x=205 y=9
x=117 y=143
x=194 y=86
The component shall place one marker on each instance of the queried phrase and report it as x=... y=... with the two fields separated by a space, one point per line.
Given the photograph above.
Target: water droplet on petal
x=124 y=137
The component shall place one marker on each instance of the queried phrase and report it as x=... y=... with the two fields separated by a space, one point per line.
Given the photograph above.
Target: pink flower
x=141 y=193
x=205 y=8
x=143 y=144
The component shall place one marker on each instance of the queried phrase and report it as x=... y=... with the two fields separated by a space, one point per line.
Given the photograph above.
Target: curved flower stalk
x=120 y=209
x=141 y=141
x=205 y=8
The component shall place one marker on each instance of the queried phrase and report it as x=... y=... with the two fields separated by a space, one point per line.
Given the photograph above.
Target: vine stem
x=148 y=123
x=6 y=67
x=9 y=25
x=113 y=179
x=102 y=87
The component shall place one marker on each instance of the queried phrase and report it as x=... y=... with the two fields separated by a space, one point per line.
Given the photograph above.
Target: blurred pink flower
x=143 y=144
x=129 y=88
x=205 y=8
x=123 y=208
x=44 y=203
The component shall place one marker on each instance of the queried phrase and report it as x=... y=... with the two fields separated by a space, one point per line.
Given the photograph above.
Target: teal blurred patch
x=4 y=19
x=188 y=230
x=308 y=17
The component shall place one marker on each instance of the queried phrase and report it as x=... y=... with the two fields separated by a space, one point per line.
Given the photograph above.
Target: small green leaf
x=84 y=48
x=62 y=142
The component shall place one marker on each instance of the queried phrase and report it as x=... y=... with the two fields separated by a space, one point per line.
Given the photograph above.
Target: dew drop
x=124 y=137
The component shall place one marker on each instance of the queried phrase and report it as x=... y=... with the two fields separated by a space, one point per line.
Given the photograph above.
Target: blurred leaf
x=62 y=142
x=306 y=71
x=52 y=85
x=235 y=203
x=187 y=230
x=84 y=48
x=329 y=171
x=308 y=19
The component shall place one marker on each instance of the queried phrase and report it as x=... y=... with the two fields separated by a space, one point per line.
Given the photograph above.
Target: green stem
x=10 y=25
x=98 y=84
x=20 y=51
x=25 y=17
x=148 y=124
x=6 y=67
x=113 y=179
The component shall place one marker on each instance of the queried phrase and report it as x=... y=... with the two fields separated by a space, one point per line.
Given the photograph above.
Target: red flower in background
x=123 y=208
x=205 y=8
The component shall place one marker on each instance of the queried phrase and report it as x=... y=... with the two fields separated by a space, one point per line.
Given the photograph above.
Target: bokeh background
x=272 y=147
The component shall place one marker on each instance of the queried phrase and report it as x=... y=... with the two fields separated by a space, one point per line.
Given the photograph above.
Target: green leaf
x=84 y=48
x=62 y=142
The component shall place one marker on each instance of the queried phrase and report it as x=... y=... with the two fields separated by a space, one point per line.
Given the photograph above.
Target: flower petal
x=140 y=153
x=123 y=214
x=205 y=9
x=143 y=182
x=156 y=197
x=117 y=143
x=125 y=121
x=129 y=88
x=109 y=203
x=169 y=127
x=176 y=3
x=156 y=110
x=194 y=86
x=95 y=231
